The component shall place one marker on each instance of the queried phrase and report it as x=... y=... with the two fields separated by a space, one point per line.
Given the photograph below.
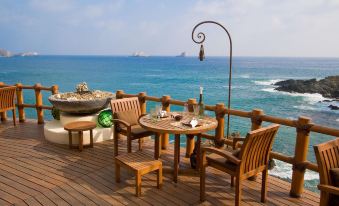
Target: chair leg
x=232 y=181
x=137 y=184
x=140 y=143
x=323 y=199
x=14 y=117
x=264 y=186
x=202 y=183
x=116 y=144
x=237 y=192
x=159 y=177
x=117 y=172
x=129 y=144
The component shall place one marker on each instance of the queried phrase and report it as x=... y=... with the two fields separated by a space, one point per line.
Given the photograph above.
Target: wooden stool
x=80 y=127
x=141 y=164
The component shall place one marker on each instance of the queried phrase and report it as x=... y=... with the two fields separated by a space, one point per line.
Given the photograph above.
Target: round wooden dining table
x=169 y=125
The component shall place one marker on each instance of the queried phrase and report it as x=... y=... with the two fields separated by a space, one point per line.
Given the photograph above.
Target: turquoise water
x=181 y=77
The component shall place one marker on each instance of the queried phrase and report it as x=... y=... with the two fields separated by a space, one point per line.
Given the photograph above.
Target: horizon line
x=188 y=56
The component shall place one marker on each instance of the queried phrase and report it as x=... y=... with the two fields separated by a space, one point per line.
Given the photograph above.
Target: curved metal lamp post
x=201 y=39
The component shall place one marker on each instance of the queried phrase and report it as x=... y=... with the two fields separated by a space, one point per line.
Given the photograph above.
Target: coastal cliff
x=327 y=87
x=5 y=53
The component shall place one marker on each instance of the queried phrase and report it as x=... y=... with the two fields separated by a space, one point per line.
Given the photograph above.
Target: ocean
x=181 y=78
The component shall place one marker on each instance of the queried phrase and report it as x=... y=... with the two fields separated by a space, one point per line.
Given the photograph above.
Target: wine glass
x=196 y=109
x=154 y=114
x=185 y=110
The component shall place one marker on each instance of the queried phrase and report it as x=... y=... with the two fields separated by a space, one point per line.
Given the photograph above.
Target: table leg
x=157 y=146
x=80 y=141
x=91 y=137
x=189 y=145
x=70 y=139
x=198 y=151
x=176 y=157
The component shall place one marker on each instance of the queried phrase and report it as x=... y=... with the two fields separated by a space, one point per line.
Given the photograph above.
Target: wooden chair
x=7 y=96
x=251 y=159
x=125 y=118
x=327 y=155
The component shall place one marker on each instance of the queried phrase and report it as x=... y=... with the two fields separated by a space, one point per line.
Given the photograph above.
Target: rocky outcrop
x=5 y=53
x=328 y=87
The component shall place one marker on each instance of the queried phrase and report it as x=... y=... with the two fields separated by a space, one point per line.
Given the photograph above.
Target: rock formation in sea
x=328 y=87
x=5 y=53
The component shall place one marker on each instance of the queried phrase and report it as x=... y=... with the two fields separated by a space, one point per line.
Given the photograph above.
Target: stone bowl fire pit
x=82 y=101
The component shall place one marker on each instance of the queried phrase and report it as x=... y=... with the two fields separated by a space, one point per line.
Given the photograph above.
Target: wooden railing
x=303 y=127
x=39 y=106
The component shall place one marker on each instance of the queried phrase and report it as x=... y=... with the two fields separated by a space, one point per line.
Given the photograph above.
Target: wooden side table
x=80 y=127
x=140 y=163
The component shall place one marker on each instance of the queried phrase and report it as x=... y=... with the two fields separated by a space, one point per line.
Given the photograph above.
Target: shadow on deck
x=35 y=172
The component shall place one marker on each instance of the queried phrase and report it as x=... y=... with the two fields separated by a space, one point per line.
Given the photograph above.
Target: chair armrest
x=329 y=188
x=222 y=153
x=236 y=140
x=121 y=122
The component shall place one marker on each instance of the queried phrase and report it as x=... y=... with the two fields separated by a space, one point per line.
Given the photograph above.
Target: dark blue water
x=181 y=77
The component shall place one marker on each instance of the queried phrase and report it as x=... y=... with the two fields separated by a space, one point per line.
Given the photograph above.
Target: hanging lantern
x=201 y=53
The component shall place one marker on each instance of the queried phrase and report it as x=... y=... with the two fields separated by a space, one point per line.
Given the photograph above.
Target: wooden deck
x=35 y=172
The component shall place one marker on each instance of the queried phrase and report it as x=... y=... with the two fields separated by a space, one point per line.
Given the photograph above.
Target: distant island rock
x=6 y=53
x=328 y=87
x=183 y=54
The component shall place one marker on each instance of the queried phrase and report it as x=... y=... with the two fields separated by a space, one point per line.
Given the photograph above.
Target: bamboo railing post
x=190 y=138
x=119 y=94
x=20 y=102
x=256 y=119
x=142 y=102
x=3 y=114
x=55 y=89
x=38 y=103
x=300 y=155
x=256 y=124
x=219 y=131
x=165 y=106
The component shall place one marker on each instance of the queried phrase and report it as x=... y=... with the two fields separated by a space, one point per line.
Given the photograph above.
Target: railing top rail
x=248 y=114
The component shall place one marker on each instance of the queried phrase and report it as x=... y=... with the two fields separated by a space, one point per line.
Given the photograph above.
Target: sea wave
x=337 y=120
x=267 y=82
x=244 y=76
x=284 y=170
x=311 y=98
x=305 y=107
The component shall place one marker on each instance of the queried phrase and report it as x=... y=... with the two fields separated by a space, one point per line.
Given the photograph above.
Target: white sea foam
x=284 y=170
x=337 y=120
x=311 y=98
x=305 y=107
x=244 y=76
x=267 y=82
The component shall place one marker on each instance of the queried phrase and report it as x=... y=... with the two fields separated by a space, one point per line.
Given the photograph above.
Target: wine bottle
x=201 y=103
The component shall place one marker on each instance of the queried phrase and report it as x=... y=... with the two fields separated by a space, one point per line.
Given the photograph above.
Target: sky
x=290 y=28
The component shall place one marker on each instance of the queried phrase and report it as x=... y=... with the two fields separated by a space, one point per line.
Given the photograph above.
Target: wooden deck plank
x=35 y=172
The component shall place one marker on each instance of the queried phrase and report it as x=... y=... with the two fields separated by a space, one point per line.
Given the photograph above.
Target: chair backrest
x=7 y=96
x=327 y=155
x=126 y=104
x=256 y=148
